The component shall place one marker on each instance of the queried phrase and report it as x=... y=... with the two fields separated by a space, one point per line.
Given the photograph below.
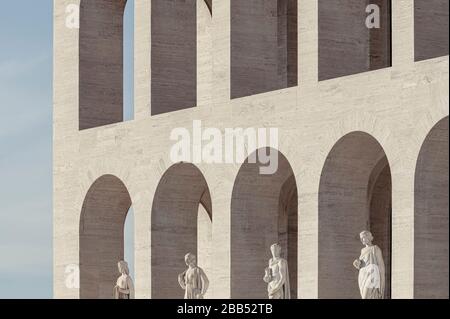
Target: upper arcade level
x=195 y=53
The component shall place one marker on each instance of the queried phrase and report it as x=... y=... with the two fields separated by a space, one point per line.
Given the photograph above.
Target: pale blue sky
x=26 y=145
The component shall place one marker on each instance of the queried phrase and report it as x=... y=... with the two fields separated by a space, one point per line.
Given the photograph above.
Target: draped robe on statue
x=124 y=282
x=371 y=277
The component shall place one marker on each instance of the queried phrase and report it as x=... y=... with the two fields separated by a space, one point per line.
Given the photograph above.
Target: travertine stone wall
x=396 y=106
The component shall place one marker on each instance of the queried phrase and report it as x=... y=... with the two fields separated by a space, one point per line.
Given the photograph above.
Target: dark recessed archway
x=263 y=212
x=354 y=195
x=174 y=226
x=431 y=243
x=102 y=221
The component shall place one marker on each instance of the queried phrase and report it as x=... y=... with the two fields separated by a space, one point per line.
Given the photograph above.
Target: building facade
x=362 y=117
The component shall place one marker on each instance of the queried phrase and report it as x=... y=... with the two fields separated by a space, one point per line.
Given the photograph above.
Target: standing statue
x=193 y=280
x=124 y=288
x=371 y=277
x=277 y=275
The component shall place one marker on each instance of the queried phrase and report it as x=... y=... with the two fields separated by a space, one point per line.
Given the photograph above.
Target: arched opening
x=263 y=46
x=430 y=29
x=102 y=221
x=173 y=55
x=263 y=212
x=180 y=197
x=354 y=195
x=101 y=62
x=348 y=44
x=431 y=216
x=128 y=61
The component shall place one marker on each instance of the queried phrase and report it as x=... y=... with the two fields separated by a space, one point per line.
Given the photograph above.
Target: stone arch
x=431 y=243
x=174 y=225
x=101 y=62
x=101 y=232
x=263 y=212
x=354 y=195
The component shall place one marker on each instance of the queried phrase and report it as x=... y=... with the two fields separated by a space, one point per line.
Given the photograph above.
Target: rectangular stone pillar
x=308 y=75
x=66 y=67
x=142 y=247
x=402 y=33
x=142 y=61
x=221 y=190
x=308 y=42
x=221 y=51
x=65 y=128
x=204 y=54
x=402 y=275
x=308 y=233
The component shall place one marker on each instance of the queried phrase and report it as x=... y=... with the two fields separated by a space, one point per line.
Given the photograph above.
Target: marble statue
x=371 y=268
x=193 y=280
x=277 y=275
x=124 y=288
